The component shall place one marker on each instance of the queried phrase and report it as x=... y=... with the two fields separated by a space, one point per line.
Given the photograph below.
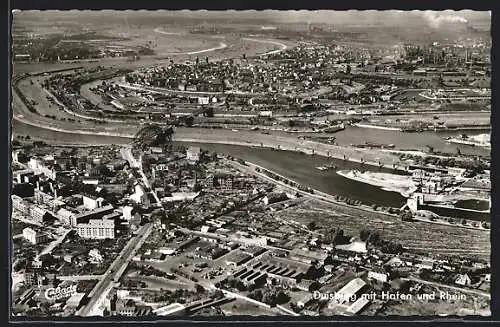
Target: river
x=301 y=167
x=414 y=141
x=297 y=166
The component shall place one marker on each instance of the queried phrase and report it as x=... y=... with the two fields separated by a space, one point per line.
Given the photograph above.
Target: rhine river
x=297 y=166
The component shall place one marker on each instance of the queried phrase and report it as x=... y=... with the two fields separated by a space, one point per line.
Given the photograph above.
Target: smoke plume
x=435 y=19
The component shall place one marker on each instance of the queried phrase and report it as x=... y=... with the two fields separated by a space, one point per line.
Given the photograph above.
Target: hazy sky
x=350 y=17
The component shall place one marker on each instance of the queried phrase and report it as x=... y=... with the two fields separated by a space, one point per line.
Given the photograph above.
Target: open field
x=416 y=236
x=448 y=119
x=163 y=44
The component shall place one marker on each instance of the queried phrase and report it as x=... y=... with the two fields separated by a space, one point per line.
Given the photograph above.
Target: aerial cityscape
x=190 y=164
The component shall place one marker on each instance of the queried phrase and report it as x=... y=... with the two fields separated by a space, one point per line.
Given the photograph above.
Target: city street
x=115 y=271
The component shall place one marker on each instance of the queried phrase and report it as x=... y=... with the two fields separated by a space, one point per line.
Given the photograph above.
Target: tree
x=197 y=187
x=240 y=286
x=269 y=297
x=209 y=112
x=406 y=215
x=200 y=289
x=154 y=135
x=364 y=234
x=189 y=121
x=311 y=225
x=282 y=297
x=374 y=238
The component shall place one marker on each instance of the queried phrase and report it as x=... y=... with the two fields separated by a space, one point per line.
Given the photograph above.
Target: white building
x=203 y=100
x=65 y=216
x=95 y=256
x=127 y=212
x=171 y=309
x=266 y=113
x=34 y=237
x=37 y=213
x=20 y=204
x=40 y=167
x=97 y=229
x=348 y=293
x=463 y=280
x=139 y=196
x=257 y=241
x=92 y=203
x=193 y=154
x=378 y=275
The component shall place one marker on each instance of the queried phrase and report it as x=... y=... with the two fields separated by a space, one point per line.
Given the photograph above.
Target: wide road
x=80 y=277
x=53 y=244
x=115 y=271
x=126 y=153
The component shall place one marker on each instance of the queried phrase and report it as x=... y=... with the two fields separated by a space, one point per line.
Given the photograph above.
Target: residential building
x=42 y=197
x=91 y=202
x=34 y=237
x=139 y=196
x=125 y=308
x=38 y=214
x=65 y=216
x=95 y=256
x=19 y=204
x=42 y=166
x=463 y=279
x=379 y=275
x=426 y=264
x=222 y=180
x=23 y=176
x=193 y=154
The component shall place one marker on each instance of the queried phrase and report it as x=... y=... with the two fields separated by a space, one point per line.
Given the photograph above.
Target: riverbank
x=372 y=157
x=258 y=170
x=480 y=140
x=388 y=182
x=282 y=46
x=377 y=127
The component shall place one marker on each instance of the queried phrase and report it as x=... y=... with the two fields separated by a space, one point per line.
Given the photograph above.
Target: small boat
x=326 y=167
